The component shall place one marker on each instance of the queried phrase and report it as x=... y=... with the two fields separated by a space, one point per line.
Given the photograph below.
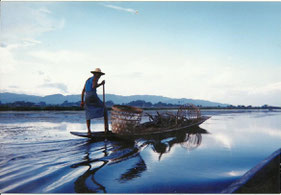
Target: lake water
x=39 y=155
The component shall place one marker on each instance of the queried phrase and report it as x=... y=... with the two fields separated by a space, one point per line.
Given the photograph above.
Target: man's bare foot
x=89 y=133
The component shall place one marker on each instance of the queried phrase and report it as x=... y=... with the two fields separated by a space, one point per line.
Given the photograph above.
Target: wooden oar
x=105 y=112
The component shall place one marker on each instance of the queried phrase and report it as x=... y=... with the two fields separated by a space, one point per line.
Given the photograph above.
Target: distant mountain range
x=117 y=99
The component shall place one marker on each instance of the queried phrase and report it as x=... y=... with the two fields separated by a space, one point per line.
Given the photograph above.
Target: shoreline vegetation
x=75 y=106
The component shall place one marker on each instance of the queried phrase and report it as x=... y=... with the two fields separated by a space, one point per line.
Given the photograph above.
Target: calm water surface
x=39 y=155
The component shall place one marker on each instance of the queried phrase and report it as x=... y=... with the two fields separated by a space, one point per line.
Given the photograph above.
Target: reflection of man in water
x=80 y=184
x=94 y=107
x=120 y=152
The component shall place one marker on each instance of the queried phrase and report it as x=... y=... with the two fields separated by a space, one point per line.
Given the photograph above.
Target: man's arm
x=102 y=83
x=95 y=83
x=82 y=97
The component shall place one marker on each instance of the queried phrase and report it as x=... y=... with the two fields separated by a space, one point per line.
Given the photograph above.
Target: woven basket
x=124 y=119
x=188 y=111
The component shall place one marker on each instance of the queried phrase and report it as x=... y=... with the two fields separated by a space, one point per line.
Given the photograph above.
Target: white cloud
x=14 y=86
x=272 y=87
x=60 y=86
x=252 y=95
x=40 y=72
x=227 y=80
x=23 y=23
x=130 y=10
x=71 y=68
x=62 y=57
x=7 y=61
x=29 y=42
x=44 y=10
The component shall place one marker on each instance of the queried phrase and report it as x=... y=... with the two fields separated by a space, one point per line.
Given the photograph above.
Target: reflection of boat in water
x=187 y=138
x=119 y=152
x=193 y=141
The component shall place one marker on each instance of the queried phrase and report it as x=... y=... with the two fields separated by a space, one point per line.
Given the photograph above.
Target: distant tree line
x=22 y=105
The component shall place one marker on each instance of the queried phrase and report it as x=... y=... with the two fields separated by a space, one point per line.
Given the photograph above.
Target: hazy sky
x=229 y=52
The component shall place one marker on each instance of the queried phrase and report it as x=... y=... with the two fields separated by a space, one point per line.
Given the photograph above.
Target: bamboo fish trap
x=125 y=118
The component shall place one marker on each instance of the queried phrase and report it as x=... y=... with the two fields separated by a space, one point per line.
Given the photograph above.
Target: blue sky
x=219 y=51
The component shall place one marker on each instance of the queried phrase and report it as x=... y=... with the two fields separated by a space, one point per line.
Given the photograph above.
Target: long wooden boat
x=154 y=130
x=144 y=133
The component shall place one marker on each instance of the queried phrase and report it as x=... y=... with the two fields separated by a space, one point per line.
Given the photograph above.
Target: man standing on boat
x=94 y=107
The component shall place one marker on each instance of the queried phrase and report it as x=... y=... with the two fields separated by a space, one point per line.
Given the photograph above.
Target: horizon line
x=139 y=95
